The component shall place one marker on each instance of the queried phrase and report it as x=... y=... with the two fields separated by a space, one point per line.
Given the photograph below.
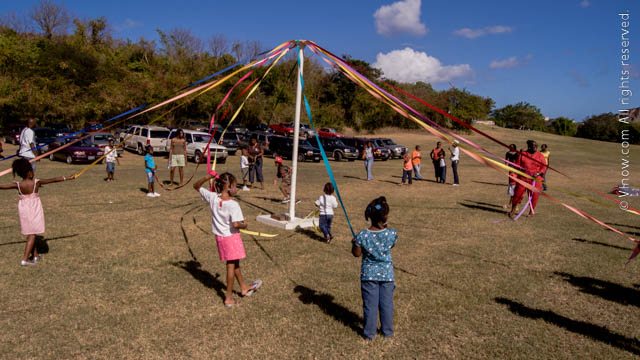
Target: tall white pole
x=296 y=134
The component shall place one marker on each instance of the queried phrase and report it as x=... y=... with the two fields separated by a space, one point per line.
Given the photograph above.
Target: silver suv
x=137 y=137
x=196 y=145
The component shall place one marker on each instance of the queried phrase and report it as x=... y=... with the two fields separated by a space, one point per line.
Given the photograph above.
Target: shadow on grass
x=604 y=289
x=41 y=242
x=206 y=278
x=390 y=182
x=310 y=234
x=489 y=183
x=184 y=232
x=484 y=208
x=354 y=177
x=327 y=304
x=272 y=199
x=484 y=203
x=629 y=226
x=595 y=332
x=601 y=244
x=144 y=190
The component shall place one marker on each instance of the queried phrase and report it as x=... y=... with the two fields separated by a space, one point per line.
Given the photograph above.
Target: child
x=226 y=222
x=376 y=277
x=406 y=169
x=326 y=203
x=29 y=206
x=150 y=168
x=284 y=173
x=111 y=157
x=244 y=167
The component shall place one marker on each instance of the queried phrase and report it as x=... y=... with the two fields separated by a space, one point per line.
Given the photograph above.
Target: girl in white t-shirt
x=226 y=222
x=326 y=203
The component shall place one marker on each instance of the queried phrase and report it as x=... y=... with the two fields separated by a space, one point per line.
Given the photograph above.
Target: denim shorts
x=150 y=177
x=111 y=167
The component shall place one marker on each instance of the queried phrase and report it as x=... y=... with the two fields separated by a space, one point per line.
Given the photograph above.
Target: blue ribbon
x=324 y=156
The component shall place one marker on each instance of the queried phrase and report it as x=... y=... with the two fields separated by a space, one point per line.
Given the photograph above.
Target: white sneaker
x=155 y=194
x=27 y=263
x=150 y=195
x=245 y=188
x=456 y=185
x=37 y=259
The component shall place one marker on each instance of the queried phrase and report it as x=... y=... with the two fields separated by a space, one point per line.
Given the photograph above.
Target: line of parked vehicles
x=276 y=138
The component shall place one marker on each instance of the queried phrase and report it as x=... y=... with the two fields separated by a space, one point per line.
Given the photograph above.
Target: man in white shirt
x=27 y=142
x=455 y=158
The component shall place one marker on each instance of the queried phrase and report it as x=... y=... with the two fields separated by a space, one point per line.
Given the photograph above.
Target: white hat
x=456 y=142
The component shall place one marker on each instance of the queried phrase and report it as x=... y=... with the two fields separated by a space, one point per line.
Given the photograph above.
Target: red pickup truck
x=282 y=129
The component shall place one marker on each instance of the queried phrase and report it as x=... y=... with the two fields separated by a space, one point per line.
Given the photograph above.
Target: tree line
x=67 y=70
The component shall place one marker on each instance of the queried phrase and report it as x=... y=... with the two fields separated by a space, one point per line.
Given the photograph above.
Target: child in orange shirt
x=406 y=169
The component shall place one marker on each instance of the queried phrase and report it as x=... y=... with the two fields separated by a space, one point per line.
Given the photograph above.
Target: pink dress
x=30 y=212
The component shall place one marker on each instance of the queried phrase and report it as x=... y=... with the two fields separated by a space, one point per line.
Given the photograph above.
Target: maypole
x=296 y=133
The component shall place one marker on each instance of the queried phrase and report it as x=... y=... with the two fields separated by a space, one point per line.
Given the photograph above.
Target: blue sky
x=562 y=56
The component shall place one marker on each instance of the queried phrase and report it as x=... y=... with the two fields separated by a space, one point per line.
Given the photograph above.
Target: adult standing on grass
x=436 y=155
x=177 y=151
x=532 y=163
x=256 y=153
x=416 y=160
x=27 y=142
x=455 y=159
x=376 y=275
x=544 y=150
x=367 y=156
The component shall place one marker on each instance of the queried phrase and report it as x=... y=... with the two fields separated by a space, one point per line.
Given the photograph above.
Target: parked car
x=230 y=140
x=12 y=136
x=61 y=129
x=196 y=146
x=379 y=153
x=282 y=129
x=137 y=137
x=44 y=137
x=335 y=148
x=329 y=133
x=306 y=131
x=102 y=139
x=82 y=151
x=283 y=146
x=397 y=151
x=258 y=127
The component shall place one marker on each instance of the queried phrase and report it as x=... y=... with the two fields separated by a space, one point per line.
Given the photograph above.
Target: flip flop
x=230 y=305
x=255 y=285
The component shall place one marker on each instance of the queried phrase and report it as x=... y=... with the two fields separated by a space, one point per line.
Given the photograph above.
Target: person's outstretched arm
x=56 y=179
x=8 y=186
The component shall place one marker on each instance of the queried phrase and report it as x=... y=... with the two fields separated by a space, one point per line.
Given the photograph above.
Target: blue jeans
x=406 y=174
x=377 y=296
x=416 y=171
x=368 y=165
x=325 y=225
x=255 y=171
x=443 y=174
x=454 y=167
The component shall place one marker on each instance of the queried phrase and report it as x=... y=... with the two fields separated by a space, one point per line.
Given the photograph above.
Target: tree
x=522 y=116
x=563 y=126
x=50 y=18
x=606 y=127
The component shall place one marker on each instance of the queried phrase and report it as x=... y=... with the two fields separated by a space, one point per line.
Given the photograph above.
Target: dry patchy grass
x=131 y=277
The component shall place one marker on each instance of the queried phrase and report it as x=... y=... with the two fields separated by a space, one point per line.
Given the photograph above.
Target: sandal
x=255 y=285
x=231 y=304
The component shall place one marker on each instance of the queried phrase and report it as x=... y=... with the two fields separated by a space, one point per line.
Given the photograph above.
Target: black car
x=230 y=140
x=44 y=137
x=336 y=148
x=283 y=146
x=61 y=129
x=260 y=127
x=379 y=153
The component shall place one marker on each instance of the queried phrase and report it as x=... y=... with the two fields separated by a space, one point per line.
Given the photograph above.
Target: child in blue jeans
x=376 y=277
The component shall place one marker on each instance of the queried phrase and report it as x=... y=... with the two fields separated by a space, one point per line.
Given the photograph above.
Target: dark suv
x=397 y=151
x=283 y=146
x=379 y=153
x=336 y=148
x=230 y=140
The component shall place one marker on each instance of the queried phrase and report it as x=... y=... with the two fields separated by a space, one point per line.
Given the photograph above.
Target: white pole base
x=283 y=222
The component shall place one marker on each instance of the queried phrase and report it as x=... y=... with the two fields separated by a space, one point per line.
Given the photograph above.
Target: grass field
x=128 y=276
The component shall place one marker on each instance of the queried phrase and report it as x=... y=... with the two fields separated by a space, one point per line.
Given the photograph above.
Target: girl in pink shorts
x=226 y=222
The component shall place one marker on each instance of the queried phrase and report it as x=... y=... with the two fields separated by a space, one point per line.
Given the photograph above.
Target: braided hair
x=377 y=212
x=224 y=179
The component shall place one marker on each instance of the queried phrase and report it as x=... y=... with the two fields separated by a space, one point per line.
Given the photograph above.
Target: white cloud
x=489 y=30
x=411 y=66
x=585 y=3
x=400 y=17
x=128 y=24
x=510 y=62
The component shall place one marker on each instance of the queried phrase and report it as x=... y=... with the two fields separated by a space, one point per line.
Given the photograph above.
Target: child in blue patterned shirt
x=376 y=277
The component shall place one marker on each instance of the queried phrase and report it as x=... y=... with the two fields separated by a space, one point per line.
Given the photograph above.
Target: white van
x=137 y=137
x=196 y=145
